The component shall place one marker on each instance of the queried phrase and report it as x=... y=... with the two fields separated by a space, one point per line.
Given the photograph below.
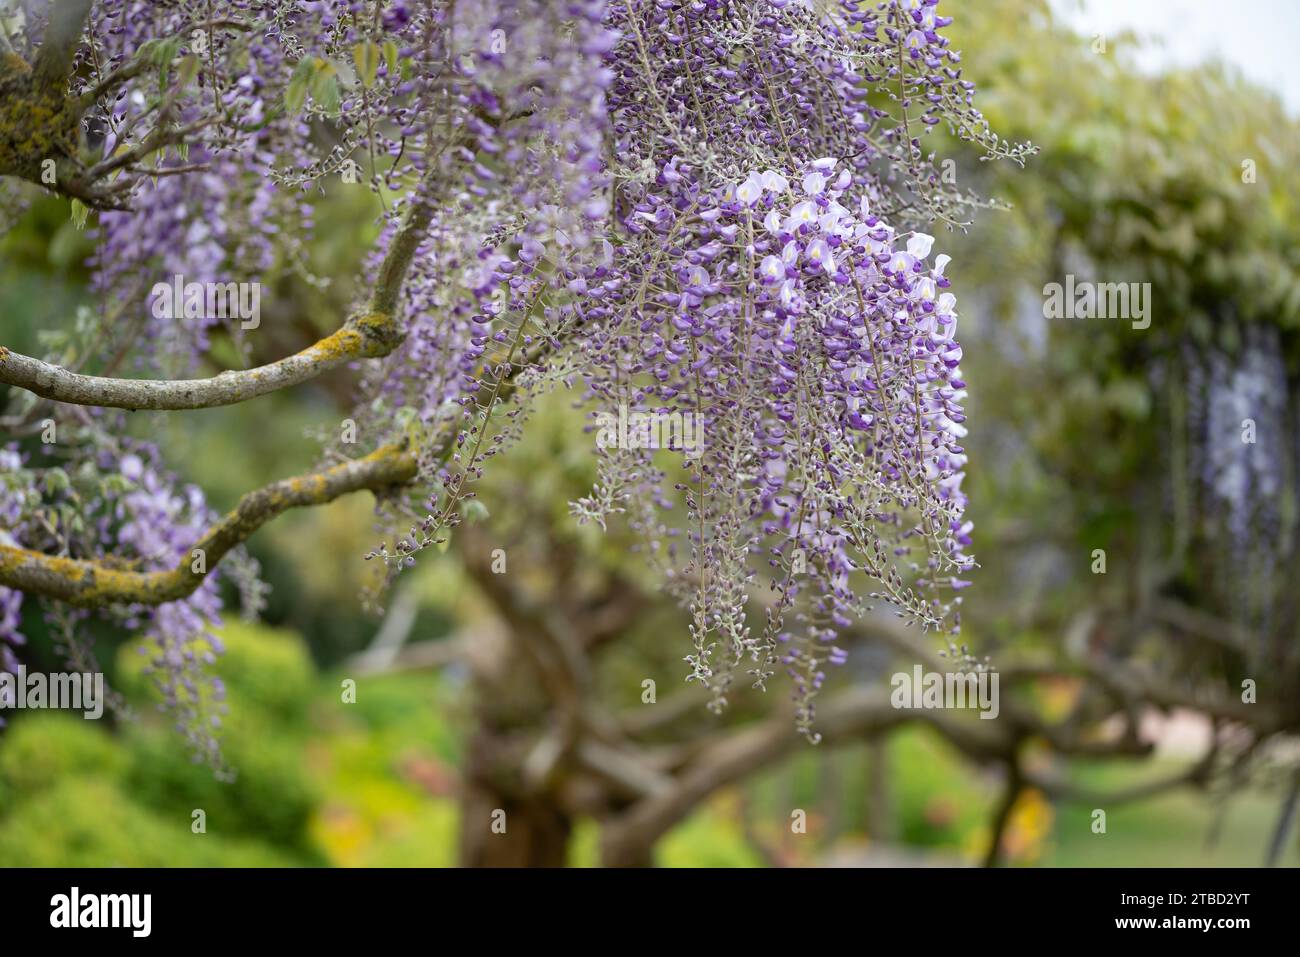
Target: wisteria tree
x=714 y=212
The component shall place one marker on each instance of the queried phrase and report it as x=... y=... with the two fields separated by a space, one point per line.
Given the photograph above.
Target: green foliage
x=427 y=837
x=268 y=674
x=1082 y=423
x=89 y=822
x=1183 y=180
x=271 y=799
x=410 y=708
x=1147 y=172
x=147 y=785
x=41 y=268
x=387 y=765
x=706 y=840
x=269 y=681
x=366 y=57
x=938 y=802
x=44 y=748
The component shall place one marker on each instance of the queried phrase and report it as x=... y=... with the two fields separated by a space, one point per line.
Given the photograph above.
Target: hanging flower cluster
x=817 y=348
x=120 y=500
x=211 y=212
x=765 y=279
x=762 y=272
x=18 y=498
x=708 y=208
x=521 y=188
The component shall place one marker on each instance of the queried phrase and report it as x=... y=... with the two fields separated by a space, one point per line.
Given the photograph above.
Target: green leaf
x=390 y=57
x=327 y=94
x=366 y=56
x=295 y=94
x=79 y=213
x=56 y=480
x=159 y=52
x=325 y=87
x=187 y=70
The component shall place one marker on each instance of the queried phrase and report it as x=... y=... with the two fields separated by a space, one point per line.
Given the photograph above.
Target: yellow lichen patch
x=380 y=331
x=97 y=583
x=87 y=583
x=11 y=64
x=35 y=126
x=344 y=344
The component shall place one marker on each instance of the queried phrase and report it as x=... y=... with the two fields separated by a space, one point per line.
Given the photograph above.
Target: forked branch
x=371 y=334
x=98 y=583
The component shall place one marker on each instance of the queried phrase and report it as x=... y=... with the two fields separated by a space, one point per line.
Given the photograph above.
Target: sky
x=1259 y=37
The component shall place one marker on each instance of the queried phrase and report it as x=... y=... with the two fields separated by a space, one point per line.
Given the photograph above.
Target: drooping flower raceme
x=716 y=209
x=215 y=211
x=817 y=347
x=757 y=272
x=17 y=498
x=763 y=279
x=119 y=498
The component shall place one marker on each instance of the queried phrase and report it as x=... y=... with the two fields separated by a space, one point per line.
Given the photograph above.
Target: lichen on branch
x=93 y=583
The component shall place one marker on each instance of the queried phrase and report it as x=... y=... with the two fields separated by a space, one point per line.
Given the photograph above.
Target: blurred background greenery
x=1140 y=176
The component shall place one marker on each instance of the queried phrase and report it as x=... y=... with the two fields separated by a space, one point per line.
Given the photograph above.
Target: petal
x=919 y=245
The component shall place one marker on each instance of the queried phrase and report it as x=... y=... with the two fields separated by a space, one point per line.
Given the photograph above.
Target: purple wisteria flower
x=717 y=209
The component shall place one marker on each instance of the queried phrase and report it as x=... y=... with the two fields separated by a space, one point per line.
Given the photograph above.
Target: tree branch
x=1002 y=814
x=850 y=715
x=371 y=334
x=56 y=383
x=392 y=273
x=92 y=583
x=1061 y=790
x=861 y=713
x=1283 y=826
x=1130 y=684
